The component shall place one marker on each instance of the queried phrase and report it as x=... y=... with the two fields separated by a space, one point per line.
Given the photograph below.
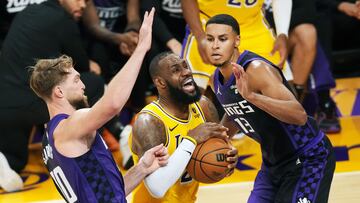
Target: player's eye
x=210 y=39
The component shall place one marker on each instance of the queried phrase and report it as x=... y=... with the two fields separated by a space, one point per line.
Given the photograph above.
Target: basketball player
x=77 y=158
x=177 y=120
x=298 y=159
x=257 y=35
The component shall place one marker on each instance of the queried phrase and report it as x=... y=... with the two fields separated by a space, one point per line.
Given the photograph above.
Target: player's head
x=173 y=78
x=222 y=37
x=56 y=79
x=74 y=7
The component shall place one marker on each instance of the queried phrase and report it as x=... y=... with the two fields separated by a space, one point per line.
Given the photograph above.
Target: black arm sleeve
x=160 y=30
x=71 y=45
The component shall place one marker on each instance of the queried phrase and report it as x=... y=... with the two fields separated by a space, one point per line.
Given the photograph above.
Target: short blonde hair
x=47 y=73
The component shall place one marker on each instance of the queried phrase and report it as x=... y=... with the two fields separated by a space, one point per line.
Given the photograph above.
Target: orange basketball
x=208 y=163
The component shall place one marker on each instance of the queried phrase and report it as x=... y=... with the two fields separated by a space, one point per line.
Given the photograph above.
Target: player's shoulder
x=146 y=119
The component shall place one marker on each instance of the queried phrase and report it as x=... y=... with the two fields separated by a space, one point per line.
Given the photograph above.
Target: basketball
x=208 y=163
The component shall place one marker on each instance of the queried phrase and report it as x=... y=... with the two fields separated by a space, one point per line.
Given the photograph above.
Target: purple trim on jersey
x=298 y=185
x=250 y=60
x=315 y=141
x=313 y=172
x=52 y=125
x=186 y=38
x=356 y=109
x=242 y=56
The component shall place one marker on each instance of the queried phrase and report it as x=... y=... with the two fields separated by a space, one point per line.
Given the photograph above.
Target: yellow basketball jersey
x=185 y=189
x=255 y=34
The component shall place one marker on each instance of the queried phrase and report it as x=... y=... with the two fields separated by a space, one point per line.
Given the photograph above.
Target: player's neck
x=175 y=108
x=226 y=68
x=59 y=107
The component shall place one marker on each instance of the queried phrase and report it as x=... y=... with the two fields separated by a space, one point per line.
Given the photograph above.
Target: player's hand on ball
x=232 y=157
x=207 y=130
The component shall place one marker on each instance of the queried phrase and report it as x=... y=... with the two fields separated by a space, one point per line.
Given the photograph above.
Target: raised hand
x=207 y=130
x=242 y=81
x=145 y=33
x=280 y=45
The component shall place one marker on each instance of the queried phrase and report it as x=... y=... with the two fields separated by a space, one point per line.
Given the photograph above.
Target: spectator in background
x=169 y=25
x=8 y=10
x=46 y=30
x=120 y=17
x=318 y=99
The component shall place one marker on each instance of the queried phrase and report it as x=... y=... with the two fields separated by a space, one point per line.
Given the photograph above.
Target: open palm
x=242 y=81
x=145 y=33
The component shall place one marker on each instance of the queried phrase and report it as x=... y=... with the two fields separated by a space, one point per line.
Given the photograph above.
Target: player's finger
x=232 y=152
x=231 y=166
x=161 y=152
x=231 y=159
x=151 y=16
x=156 y=148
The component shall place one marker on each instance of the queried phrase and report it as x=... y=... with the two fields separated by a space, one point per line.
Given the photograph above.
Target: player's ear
x=159 y=82
x=58 y=92
x=237 y=41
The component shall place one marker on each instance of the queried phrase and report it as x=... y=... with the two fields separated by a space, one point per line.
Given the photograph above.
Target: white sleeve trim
x=282 y=15
x=163 y=178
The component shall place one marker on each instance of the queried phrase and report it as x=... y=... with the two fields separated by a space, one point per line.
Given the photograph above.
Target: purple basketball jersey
x=91 y=177
x=279 y=141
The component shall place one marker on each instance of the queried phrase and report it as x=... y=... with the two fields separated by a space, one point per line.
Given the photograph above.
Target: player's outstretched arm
x=262 y=86
x=191 y=14
x=87 y=121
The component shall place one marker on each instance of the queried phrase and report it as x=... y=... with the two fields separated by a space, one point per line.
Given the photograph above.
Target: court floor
x=345 y=188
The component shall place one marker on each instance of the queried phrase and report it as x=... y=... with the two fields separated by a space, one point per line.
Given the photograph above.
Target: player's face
x=221 y=43
x=179 y=79
x=74 y=90
x=74 y=7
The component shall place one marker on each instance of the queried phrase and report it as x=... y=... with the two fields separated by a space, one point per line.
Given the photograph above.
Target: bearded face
x=182 y=96
x=79 y=103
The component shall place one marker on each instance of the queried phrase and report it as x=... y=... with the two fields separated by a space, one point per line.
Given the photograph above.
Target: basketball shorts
x=303 y=179
x=303 y=11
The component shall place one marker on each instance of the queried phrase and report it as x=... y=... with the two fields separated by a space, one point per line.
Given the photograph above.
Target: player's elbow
x=156 y=190
x=301 y=118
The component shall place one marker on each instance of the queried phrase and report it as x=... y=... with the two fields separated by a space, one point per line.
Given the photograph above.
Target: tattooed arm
x=209 y=110
x=148 y=131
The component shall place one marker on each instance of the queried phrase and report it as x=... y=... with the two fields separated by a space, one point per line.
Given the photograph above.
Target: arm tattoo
x=209 y=110
x=148 y=131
